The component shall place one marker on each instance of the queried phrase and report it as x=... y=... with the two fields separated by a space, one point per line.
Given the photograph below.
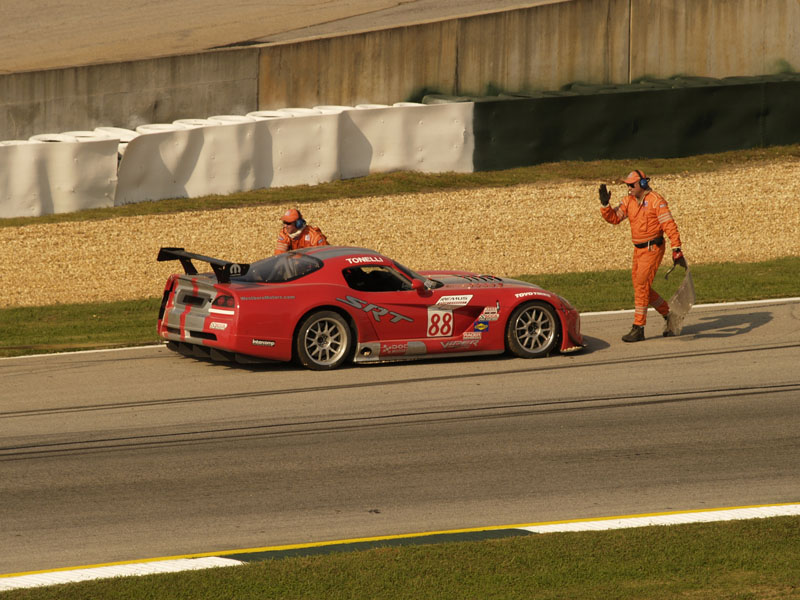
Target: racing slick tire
x=323 y=341
x=532 y=330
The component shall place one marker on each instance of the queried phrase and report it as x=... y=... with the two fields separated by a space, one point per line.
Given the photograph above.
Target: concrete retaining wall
x=128 y=94
x=539 y=48
x=714 y=38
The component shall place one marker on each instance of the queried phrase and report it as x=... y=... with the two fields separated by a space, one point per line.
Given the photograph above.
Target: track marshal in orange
x=651 y=222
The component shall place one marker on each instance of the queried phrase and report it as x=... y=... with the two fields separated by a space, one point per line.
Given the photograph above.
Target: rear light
x=224 y=302
x=223 y=305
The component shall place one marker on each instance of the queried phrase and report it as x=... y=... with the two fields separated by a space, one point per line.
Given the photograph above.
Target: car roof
x=326 y=253
x=346 y=256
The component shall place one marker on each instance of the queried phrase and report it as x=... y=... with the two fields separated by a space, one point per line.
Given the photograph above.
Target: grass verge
x=757 y=558
x=65 y=327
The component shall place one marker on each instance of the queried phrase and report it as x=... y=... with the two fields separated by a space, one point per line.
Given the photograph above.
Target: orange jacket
x=649 y=219
x=309 y=236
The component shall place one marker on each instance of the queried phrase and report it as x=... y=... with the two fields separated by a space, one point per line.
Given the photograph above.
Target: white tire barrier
x=225 y=154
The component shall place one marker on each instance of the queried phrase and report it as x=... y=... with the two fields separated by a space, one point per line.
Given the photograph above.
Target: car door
x=402 y=314
x=386 y=302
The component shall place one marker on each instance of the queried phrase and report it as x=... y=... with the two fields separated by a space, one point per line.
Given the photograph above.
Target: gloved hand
x=678 y=259
x=605 y=195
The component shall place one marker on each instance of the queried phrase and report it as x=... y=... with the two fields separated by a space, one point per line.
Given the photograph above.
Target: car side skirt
x=370 y=353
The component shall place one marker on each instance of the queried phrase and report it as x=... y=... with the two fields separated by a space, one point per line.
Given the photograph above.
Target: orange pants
x=645 y=264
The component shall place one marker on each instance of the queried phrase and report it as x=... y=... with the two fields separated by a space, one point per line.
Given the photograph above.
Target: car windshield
x=283 y=267
x=431 y=284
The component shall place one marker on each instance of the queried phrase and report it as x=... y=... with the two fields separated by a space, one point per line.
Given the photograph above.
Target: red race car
x=327 y=305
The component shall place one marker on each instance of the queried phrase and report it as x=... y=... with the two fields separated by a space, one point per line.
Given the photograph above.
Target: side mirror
x=417 y=284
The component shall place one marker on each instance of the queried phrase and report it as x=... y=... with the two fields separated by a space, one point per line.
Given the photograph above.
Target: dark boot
x=636 y=334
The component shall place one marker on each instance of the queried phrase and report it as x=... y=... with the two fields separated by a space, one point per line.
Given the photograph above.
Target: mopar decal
x=377 y=311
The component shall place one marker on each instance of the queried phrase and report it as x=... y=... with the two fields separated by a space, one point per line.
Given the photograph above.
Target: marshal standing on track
x=650 y=220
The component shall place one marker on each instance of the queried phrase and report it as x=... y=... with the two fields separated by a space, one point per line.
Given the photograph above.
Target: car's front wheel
x=532 y=330
x=323 y=341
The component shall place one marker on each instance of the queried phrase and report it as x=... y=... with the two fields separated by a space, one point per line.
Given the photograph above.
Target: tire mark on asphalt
x=375 y=384
x=25 y=452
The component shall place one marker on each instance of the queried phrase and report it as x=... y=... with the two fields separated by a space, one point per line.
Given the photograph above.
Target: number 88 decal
x=440 y=322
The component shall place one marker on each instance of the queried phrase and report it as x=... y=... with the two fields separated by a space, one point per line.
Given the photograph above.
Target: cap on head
x=291 y=216
x=634 y=176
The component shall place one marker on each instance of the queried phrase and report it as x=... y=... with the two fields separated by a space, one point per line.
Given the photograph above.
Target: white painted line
x=750 y=302
x=148 y=568
x=754 y=512
x=95 y=351
x=713 y=305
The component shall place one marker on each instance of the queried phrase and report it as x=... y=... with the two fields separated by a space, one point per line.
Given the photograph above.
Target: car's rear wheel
x=323 y=341
x=532 y=330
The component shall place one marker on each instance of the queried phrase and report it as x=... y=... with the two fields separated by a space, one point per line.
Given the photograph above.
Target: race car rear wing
x=223 y=269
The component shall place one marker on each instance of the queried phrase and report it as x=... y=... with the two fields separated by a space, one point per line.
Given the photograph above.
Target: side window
x=375 y=278
x=280 y=268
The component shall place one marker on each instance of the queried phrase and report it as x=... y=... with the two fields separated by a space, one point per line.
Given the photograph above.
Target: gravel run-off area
x=737 y=214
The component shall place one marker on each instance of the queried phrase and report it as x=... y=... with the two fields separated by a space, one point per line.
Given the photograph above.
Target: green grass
x=752 y=559
x=63 y=327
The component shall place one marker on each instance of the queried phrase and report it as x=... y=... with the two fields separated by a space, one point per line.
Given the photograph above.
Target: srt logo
x=377 y=311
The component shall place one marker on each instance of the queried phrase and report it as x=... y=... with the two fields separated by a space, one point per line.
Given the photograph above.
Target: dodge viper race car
x=326 y=305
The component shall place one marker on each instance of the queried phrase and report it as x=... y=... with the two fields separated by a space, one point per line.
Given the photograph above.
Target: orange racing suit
x=309 y=236
x=650 y=219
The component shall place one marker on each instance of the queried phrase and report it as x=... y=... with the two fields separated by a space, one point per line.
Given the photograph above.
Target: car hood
x=472 y=279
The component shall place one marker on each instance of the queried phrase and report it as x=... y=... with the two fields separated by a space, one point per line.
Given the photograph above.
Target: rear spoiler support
x=223 y=269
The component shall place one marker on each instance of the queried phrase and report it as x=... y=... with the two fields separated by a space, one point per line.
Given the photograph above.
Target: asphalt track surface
x=133 y=454
x=52 y=34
